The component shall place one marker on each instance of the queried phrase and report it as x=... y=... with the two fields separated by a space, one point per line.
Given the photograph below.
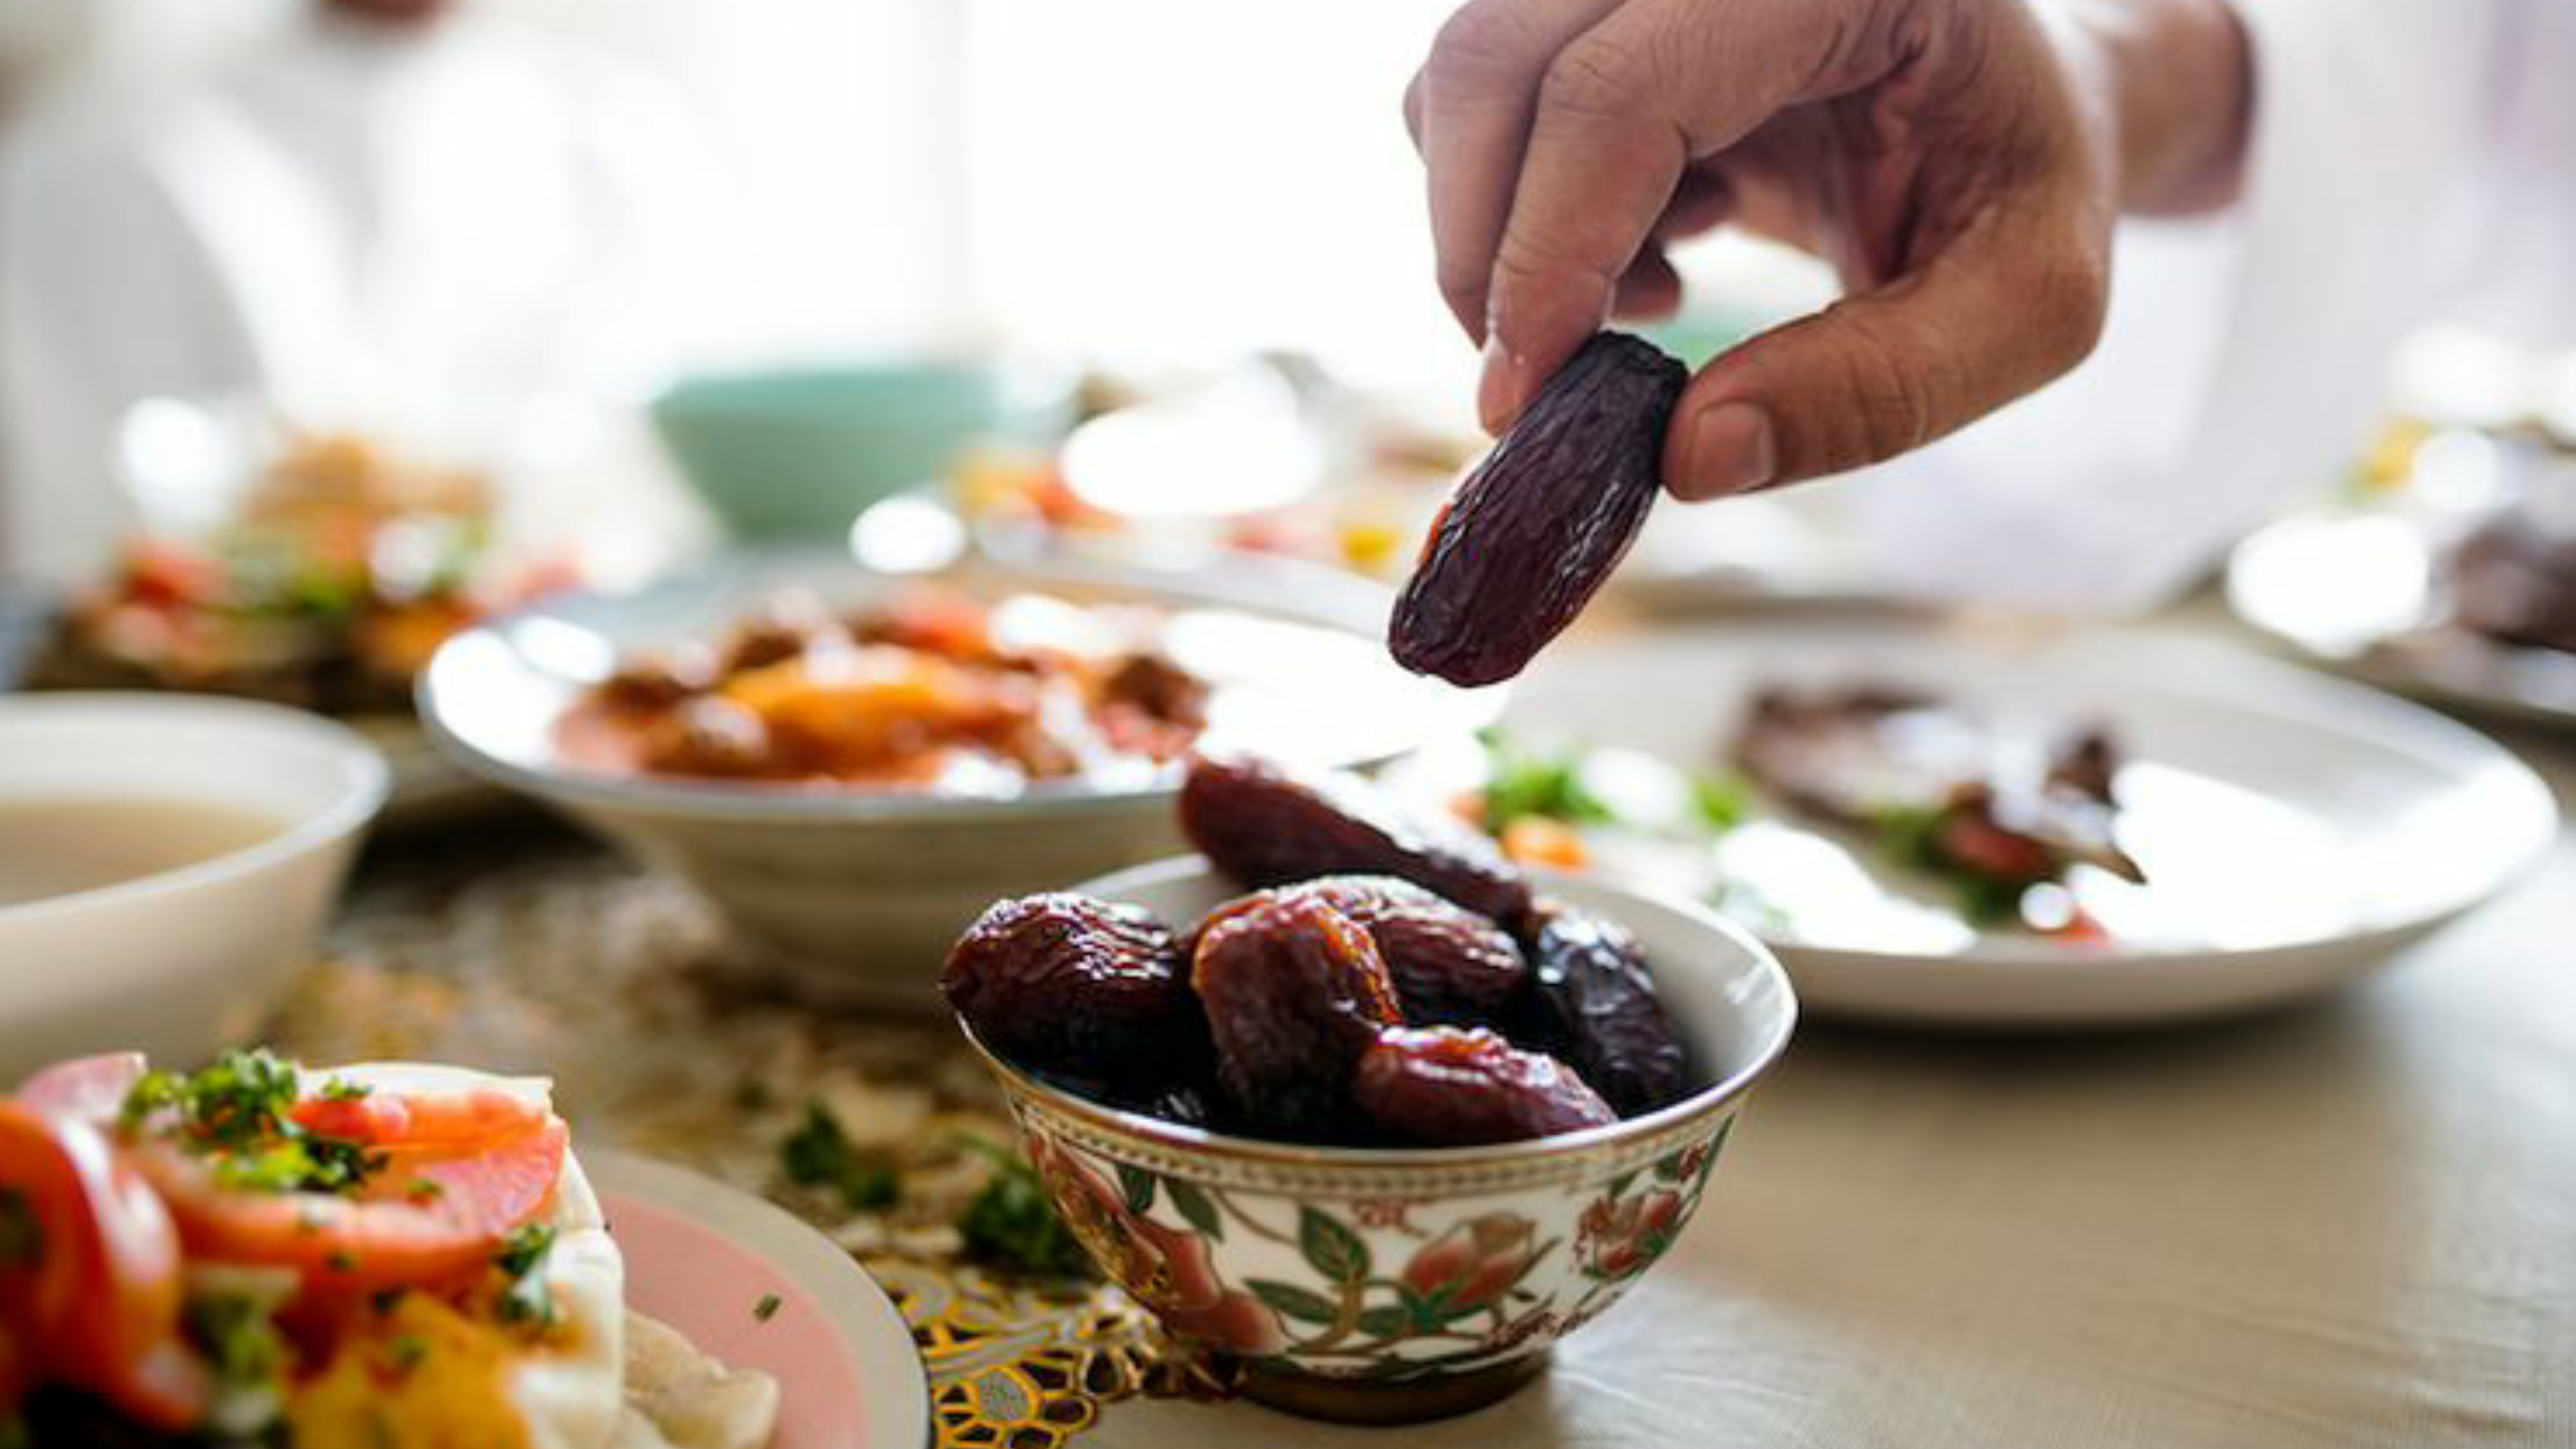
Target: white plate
x=2355 y=589
x=1773 y=549
x=703 y=1258
x=2298 y=830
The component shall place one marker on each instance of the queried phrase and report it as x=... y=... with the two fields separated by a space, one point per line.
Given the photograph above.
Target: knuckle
x=1542 y=255
x=1894 y=392
x=1485 y=44
x=1462 y=286
x=2069 y=301
x=1594 y=78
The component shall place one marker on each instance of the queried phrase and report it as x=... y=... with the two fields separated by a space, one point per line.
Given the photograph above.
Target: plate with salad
x=1987 y=826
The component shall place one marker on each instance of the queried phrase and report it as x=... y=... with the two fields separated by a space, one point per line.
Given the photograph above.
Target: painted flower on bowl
x=1475 y=1262
x=1620 y=1236
x=1168 y=1269
x=1622 y=1231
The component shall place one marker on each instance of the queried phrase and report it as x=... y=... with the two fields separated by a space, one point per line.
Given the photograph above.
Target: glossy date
x=1537 y=527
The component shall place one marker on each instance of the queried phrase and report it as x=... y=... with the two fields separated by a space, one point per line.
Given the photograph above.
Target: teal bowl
x=798 y=452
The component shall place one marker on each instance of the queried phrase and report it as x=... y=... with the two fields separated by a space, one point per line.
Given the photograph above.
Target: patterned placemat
x=543 y=954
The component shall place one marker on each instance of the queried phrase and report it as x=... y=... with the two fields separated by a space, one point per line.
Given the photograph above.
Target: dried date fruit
x=1450 y=965
x=1266 y=826
x=1070 y=985
x=1593 y=1002
x=1443 y=1087
x=1539 y=524
x=1294 y=992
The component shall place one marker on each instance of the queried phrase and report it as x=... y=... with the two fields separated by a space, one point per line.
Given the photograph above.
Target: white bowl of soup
x=166 y=864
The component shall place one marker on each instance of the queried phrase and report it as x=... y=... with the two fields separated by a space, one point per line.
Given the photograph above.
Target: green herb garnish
x=406 y=1352
x=1522 y=779
x=1723 y=801
x=1011 y=1225
x=522 y=1261
x=236 y=1113
x=767 y=1308
x=22 y=1238
x=1910 y=835
x=236 y=1335
x=819 y=1154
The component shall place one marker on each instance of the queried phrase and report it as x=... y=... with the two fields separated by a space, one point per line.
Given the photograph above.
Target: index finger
x=1470 y=109
x=1621 y=110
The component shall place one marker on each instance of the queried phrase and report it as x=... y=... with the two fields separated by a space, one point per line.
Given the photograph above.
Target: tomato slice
x=86 y=1089
x=460 y=1171
x=93 y=1284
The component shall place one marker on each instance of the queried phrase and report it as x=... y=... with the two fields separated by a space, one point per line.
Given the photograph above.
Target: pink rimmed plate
x=704 y=1257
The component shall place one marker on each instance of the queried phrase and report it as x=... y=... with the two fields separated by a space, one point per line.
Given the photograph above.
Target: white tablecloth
x=2352 y=1223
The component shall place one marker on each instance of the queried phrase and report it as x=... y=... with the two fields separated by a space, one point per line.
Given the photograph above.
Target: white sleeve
x=2244 y=357
x=106 y=295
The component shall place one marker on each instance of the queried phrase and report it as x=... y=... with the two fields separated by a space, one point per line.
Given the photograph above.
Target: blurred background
x=646 y=273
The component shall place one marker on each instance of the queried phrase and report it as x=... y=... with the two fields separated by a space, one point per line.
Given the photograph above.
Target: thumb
x=1884 y=372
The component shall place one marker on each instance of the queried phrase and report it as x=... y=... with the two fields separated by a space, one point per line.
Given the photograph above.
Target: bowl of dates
x=1357 y=1104
x=850 y=765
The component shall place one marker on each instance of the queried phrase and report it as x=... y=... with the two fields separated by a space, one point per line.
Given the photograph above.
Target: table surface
x=2349 y=1223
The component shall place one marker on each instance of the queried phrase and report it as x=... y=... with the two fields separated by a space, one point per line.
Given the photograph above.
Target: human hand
x=1959 y=162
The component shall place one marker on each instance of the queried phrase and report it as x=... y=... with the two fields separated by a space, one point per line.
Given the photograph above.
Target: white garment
x=2412 y=160
x=430 y=228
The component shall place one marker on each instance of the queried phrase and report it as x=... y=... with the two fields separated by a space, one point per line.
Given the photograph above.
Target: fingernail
x=1504 y=388
x=1731 y=451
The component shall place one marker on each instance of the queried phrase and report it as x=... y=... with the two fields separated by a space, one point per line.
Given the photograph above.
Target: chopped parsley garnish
x=341 y=1089
x=819 y=1154
x=1011 y=1225
x=22 y=1238
x=237 y=1114
x=236 y=1334
x=767 y=1308
x=1723 y=801
x=1910 y=835
x=522 y=1261
x=1522 y=779
x=406 y=1351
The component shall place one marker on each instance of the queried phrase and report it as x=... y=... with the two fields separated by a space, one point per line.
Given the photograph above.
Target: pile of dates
x=1390 y=980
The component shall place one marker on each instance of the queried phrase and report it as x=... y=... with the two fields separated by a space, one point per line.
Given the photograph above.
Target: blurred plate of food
x=2457 y=583
x=1277 y=457
x=853 y=762
x=1273 y=456
x=2000 y=827
x=304 y=566
x=1791 y=548
x=408 y=1253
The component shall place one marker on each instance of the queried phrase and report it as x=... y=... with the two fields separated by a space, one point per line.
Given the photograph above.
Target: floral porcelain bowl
x=1389 y=1285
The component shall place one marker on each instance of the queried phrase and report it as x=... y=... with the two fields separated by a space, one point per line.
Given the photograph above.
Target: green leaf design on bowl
x=1290 y=1301
x=1331 y=1249
x=1194 y=1207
